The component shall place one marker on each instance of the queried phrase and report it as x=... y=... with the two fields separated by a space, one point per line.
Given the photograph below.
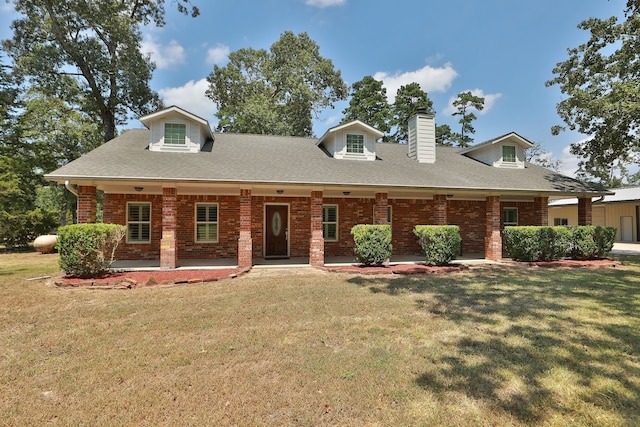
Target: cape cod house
x=185 y=192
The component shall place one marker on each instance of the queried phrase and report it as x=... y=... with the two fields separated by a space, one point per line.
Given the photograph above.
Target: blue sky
x=503 y=50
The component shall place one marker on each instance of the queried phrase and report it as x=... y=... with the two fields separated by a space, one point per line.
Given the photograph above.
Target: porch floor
x=294 y=262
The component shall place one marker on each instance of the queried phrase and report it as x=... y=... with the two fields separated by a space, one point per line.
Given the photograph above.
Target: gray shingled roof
x=291 y=160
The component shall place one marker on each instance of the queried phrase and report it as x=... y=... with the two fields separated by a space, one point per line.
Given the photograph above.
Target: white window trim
x=195 y=222
x=364 y=145
x=515 y=156
x=330 y=222
x=508 y=224
x=187 y=139
x=139 y=242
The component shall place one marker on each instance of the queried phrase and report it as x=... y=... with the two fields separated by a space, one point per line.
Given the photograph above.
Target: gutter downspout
x=73 y=191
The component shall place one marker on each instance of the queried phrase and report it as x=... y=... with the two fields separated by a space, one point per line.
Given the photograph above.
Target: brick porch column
x=585 y=213
x=168 y=247
x=380 y=209
x=440 y=209
x=493 y=238
x=245 y=242
x=86 y=204
x=541 y=211
x=316 y=244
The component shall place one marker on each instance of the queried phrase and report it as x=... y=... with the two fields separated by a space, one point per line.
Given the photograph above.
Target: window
x=560 y=221
x=508 y=154
x=510 y=216
x=207 y=222
x=175 y=133
x=139 y=222
x=355 y=143
x=330 y=223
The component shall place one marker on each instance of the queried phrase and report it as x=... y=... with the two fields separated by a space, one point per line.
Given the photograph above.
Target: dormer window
x=175 y=133
x=355 y=143
x=508 y=154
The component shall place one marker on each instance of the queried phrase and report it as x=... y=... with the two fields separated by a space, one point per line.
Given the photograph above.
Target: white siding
x=422 y=138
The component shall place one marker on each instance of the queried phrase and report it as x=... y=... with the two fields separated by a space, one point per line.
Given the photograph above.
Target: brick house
x=185 y=192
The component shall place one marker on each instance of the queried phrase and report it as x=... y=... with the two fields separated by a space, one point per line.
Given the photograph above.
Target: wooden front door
x=277 y=231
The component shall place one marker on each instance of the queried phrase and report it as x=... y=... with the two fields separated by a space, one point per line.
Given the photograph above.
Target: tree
x=97 y=43
x=465 y=102
x=445 y=136
x=275 y=91
x=541 y=157
x=369 y=104
x=601 y=79
x=409 y=98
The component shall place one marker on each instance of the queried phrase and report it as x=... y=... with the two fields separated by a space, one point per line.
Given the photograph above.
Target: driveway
x=626 y=249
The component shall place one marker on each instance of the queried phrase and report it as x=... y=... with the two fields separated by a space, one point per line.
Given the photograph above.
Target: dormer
x=351 y=141
x=176 y=130
x=506 y=151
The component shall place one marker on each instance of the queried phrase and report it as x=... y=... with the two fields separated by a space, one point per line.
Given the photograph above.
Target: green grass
x=518 y=346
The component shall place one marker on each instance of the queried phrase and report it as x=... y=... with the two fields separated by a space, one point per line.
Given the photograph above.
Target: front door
x=626 y=228
x=277 y=231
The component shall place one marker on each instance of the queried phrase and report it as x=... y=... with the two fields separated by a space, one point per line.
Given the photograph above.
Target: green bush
x=372 y=243
x=589 y=242
x=19 y=229
x=536 y=243
x=87 y=250
x=440 y=243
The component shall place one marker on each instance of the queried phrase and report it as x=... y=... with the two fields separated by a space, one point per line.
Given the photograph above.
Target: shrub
x=19 y=229
x=535 y=243
x=372 y=243
x=589 y=242
x=87 y=250
x=440 y=243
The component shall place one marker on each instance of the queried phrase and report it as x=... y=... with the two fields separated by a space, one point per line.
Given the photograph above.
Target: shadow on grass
x=534 y=343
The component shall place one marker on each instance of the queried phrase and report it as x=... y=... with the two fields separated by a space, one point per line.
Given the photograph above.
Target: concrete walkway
x=626 y=249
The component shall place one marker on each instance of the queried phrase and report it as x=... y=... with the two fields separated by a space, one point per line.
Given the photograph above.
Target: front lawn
x=519 y=346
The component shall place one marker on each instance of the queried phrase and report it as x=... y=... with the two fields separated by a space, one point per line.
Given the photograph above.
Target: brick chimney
x=422 y=137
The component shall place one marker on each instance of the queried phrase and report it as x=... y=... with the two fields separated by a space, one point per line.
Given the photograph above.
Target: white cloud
x=570 y=161
x=430 y=79
x=164 y=56
x=490 y=100
x=217 y=55
x=325 y=3
x=191 y=97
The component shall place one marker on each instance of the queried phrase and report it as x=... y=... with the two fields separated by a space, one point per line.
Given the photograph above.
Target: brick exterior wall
x=316 y=243
x=168 y=247
x=493 y=221
x=87 y=204
x=350 y=212
x=469 y=215
x=585 y=213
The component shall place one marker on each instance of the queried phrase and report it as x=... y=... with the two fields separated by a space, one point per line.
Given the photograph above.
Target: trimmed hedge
x=372 y=243
x=87 y=250
x=440 y=243
x=591 y=241
x=536 y=243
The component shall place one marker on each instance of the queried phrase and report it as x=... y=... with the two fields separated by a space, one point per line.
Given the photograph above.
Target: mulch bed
x=138 y=279
x=420 y=268
x=398 y=269
x=572 y=263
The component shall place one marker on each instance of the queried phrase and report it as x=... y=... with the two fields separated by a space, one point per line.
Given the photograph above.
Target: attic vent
x=422 y=137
